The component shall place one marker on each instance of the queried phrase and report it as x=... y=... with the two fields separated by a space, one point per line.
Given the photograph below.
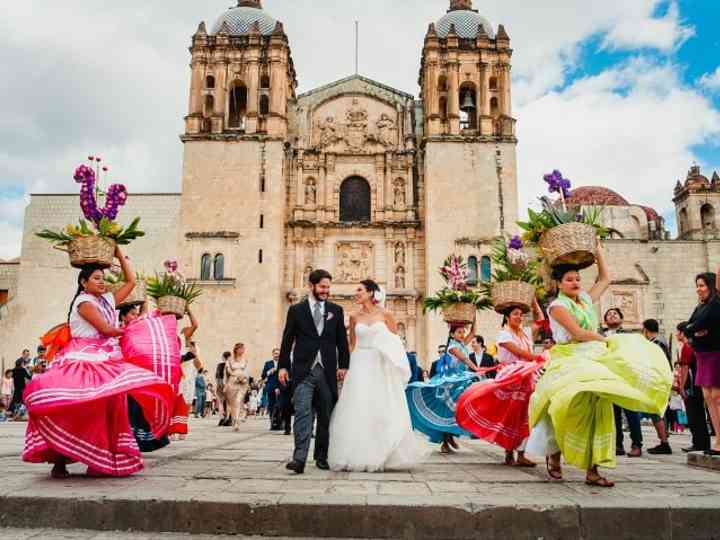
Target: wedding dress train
x=370 y=429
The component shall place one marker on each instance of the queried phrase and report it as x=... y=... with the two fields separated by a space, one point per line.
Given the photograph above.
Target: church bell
x=468 y=103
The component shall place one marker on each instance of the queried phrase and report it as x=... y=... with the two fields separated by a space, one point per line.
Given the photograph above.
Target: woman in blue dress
x=432 y=404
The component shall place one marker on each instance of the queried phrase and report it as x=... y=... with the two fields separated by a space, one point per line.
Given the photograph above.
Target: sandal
x=453 y=443
x=554 y=471
x=599 y=481
x=510 y=459
x=522 y=461
x=445 y=449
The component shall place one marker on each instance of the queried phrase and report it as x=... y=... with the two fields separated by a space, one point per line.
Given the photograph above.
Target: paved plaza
x=222 y=482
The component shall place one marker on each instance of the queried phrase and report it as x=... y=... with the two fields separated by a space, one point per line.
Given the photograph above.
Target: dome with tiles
x=596 y=196
x=240 y=19
x=466 y=21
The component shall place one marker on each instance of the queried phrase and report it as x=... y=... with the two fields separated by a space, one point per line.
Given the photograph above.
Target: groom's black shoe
x=322 y=464
x=296 y=466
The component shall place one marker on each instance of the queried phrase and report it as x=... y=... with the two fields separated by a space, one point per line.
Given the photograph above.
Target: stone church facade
x=355 y=177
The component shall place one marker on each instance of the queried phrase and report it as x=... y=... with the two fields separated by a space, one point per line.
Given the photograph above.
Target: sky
x=619 y=93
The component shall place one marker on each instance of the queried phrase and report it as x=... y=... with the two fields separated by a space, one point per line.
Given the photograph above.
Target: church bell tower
x=232 y=212
x=469 y=145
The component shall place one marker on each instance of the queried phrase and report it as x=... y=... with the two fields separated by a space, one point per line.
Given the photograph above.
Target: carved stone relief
x=353 y=261
x=400 y=277
x=356 y=135
x=400 y=195
x=400 y=253
x=310 y=191
x=629 y=302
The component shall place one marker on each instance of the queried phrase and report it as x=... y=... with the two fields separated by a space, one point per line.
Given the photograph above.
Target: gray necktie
x=318 y=317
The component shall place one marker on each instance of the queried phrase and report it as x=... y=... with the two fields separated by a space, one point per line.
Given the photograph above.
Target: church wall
x=222 y=203
x=471 y=197
x=655 y=279
x=8 y=277
x=46 y=282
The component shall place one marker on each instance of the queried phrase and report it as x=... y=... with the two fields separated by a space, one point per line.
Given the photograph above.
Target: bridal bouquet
x=565 y=236
x=171 y=291
x=515 y=278
x=457 y=300
x=93 y=239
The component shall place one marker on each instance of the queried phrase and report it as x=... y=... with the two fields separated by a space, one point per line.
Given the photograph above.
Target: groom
x=316 y=329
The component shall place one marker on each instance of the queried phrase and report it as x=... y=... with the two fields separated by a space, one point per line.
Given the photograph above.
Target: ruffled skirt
x=79 y=408
x=571 y=409
x=496 y=410
x=432 y=404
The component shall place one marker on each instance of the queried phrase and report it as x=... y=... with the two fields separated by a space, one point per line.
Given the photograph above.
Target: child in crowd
x=7 y=388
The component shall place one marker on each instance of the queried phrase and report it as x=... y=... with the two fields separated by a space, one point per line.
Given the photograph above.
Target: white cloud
x=636 y=28
x=630 y=129
x=711 y=81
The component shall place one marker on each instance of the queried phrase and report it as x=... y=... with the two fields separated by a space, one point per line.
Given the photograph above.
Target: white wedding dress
x=370 y=429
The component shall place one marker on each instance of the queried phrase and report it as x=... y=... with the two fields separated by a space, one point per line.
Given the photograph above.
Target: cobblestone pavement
x=218 y=465
x=75 y=534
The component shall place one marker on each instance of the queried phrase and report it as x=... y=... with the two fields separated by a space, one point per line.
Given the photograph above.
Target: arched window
x=485 y=268
x=355 y=200
x=493 y=83
x=443 y=108
x=472 y=270
x=494 y=106
x=219 y=268
x=264 y=105
x=707 y=215
x=442 y=83
x=265 y=82
x=205 y=267
x=238 y=106
x=209 y=105
x=210 y=82
x=468 y=106
x=684 y=222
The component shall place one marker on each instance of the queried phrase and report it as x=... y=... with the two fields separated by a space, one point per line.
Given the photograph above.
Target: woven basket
x=172 y=305
x=137 y=296
x=459 y=313
x=512 y=294
x=572 y=243
x=86 y=250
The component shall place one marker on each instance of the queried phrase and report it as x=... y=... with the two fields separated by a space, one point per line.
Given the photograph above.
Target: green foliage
x=168 y=285
x=106 y=229
x=447 y=297
x=551 y=216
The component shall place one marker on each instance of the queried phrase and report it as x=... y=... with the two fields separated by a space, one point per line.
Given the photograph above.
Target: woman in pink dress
x=79 y=407
x=496 y=410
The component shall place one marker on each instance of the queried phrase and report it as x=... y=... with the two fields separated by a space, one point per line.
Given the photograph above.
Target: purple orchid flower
x=116 y=196
x=515 y=243
x=558 y=184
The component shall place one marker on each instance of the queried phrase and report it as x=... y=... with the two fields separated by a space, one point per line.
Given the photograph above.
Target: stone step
x=699 y=459
x=76 y=534
x=596 y=518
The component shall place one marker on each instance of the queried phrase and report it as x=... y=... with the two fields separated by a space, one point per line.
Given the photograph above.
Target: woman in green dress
x=571 y=410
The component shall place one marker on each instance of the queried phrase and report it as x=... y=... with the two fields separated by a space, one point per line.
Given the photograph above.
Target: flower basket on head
x=172 y=305
x=172 y=294
x=515 y=276
x=138 y=294
x=86 y=250
x=457 y=301
x=459 y=313
x=565 y=236
x=95 y=242
x=571 y=243
x=512 y=294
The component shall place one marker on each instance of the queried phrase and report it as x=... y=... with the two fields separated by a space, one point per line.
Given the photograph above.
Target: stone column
x=506 y=85
x=253 y=95
x=196 y=85
x=453 y=97
x=221 y=83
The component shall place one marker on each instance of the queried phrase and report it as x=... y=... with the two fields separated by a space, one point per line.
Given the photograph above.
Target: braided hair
x=85 y=273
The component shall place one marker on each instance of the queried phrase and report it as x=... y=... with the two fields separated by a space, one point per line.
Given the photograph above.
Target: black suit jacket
x=302 y=340
x=271 y=380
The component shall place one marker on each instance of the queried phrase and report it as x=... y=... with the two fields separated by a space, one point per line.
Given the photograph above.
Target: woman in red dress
x=79 y=408
x=496 y=410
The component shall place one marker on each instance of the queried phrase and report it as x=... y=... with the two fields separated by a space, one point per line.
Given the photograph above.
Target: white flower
x=379 y=297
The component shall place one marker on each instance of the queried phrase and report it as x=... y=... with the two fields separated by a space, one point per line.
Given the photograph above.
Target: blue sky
x=624 y=94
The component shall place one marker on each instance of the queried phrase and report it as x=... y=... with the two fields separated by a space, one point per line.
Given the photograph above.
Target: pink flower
x=171 y=265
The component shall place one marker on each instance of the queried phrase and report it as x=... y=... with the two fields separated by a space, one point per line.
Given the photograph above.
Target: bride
x=370 y=429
